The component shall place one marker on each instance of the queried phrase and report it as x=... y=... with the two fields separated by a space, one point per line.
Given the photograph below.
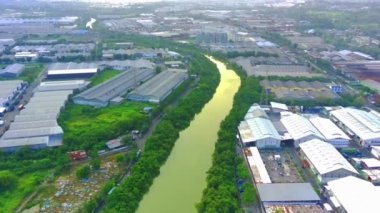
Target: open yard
x=86 y=127
x=67 y=193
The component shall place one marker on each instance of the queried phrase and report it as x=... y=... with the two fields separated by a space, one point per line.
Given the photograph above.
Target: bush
x=83 y=172
x=7 y=179
x=95 y=163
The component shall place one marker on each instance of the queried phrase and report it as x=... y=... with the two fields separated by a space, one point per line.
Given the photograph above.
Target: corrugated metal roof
x=160 y=85
x=328 y=129
x=299 y=127
x=324 y=157
x=363 y=124
x=287 y=192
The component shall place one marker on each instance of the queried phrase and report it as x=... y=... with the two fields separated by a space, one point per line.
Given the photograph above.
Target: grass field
x=103 y=76
x=10 y=199
x=87 y=126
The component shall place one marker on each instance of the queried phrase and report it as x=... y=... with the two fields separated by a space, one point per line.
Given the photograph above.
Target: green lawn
x=86 y=127
x=10 y=199
x=103 y=76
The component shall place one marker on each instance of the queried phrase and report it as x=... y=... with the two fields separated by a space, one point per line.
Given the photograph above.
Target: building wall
x=304 y=139
x=339 y=143
x=268 y=143
x=94 y=103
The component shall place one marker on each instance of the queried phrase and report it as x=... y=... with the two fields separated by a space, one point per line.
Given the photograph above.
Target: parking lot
x=280 y=166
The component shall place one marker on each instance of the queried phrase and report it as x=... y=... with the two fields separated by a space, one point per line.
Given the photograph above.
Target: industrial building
x=71 y=70
x=299 y=128
x=36 y=126
x=257 y=130
x=159 y=87
x=363 y=126
x=126 y=64
x=256 y=165
x=61 y=85
x=325 y=161
x=10 y=91
x=212 y=37
x=12 y=71
x=353 y=195
x=331 y=132
x=375 y=151
x=100 y=95
x=287 y=194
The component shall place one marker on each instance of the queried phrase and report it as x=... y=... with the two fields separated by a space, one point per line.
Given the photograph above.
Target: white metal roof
x=281 y=106
x=328 y=129
x=355 y=195
x=364 y=124
x=23 y=142
x=257 y=166
x=257 y=129
x=371 y=162
x=299 y=127
x=324 y=157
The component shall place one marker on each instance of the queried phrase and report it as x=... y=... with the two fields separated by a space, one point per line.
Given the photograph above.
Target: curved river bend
x=183 y=177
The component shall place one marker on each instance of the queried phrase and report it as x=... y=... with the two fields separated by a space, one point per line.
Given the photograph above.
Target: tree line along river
x=183 y=177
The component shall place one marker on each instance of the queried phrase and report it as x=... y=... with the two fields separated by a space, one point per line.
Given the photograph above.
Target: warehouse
x=257 y=130
x=12 y=71
x=363 y=126
x=287 y=194
x=299 y=128
x=100 y=95
x=71 y=70
x=331 y=132
x=10 y=91
x=159 y=87
x=62 y=85
x=325 y=161
x=36 y=126
x=126 y=64
x=354 y=195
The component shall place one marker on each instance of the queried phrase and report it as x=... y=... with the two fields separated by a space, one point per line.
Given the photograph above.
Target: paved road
x=9 y=116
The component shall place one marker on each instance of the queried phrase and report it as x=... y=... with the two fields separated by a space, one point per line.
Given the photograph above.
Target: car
x=21 y=107
x=2 y=123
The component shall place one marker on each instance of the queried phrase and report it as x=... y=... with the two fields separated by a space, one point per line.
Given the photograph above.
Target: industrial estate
x=190 y=106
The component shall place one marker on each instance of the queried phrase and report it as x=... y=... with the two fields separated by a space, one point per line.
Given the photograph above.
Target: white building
x=331 y=132
x=363 y=126
x=375 y=151
x=257 y=130
x=325 y=161
x=256 y=165
x=354 y=195
x=300 y=128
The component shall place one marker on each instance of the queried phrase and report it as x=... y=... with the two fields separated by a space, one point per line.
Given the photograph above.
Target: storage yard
x=159 y=87
x=277 y=70
x=301 y=90
x=10 y=91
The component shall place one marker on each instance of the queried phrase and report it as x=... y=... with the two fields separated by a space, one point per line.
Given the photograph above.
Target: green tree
x=95 y=163
x=83 y=172
x=7 y=179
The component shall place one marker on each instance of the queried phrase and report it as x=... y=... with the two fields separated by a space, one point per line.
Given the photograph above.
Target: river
x=183 y=177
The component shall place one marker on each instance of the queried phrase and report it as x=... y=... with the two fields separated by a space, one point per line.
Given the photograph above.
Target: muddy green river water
x=183 y=177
